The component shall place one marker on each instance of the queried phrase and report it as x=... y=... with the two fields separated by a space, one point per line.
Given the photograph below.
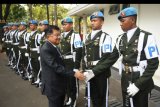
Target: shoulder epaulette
x=105 y=33
x=148 y=33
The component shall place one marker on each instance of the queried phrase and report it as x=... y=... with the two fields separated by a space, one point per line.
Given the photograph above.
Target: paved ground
x=15 y=92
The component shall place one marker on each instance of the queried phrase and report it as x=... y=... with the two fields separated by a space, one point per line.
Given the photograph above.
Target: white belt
x=134 y=68
x=15 y=43
x=10 y=41
x=68 y=56
x=34 y=49
x=22 y=47
x=92 y=62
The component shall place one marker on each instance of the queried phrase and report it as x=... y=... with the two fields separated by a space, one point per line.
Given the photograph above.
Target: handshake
x=86 y=76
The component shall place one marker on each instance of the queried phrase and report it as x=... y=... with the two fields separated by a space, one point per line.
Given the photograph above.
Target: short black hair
x=50 y=29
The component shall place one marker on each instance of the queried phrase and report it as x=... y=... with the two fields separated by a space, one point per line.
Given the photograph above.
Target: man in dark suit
x=53 y=69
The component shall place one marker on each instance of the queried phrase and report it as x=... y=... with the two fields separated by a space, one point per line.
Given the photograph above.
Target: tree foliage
x=4 y=11
x=17 y=13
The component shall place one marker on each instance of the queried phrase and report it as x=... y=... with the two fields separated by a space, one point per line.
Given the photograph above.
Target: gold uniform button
x=126 y=55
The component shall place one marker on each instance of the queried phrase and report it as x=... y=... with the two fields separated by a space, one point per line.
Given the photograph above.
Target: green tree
x=17 y=13
x=4 y=11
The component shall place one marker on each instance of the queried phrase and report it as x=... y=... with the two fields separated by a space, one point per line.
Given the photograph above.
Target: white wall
x=112 y=26
x=148 y=19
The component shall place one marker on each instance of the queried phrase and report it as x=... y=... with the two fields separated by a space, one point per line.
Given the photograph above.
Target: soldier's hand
x=79 y=75
x=88 y=75
x=132 y=89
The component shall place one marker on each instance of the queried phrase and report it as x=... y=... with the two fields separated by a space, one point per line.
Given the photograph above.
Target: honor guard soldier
x=23 y=60
x=71 y=48
x=138 y=54
x=43 y=26
x=34 y=49
x=15 y=42
x=6 y=30
x=8 y=44
x=97 y=43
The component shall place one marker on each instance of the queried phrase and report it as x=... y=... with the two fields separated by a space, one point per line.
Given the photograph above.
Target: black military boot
x=32 y=81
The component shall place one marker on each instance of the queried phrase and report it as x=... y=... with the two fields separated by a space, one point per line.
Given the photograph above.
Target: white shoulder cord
x=85 y=58
x=141 y=64
x=140 y=46
x=36 y=37
x=101 y=43
x=120 y=56
x=72 y=41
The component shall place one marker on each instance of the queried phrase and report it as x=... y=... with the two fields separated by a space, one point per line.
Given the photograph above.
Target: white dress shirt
x=130 y=33
x=93 y=33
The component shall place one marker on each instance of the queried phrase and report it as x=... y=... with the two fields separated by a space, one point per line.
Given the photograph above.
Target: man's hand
x=79 y=75
x=88 y=75
x=132 y=89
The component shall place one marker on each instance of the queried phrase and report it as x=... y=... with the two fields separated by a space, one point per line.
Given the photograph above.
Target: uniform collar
x=94 y=32
x=32 y=32
x=66 y=33
x=130 y=33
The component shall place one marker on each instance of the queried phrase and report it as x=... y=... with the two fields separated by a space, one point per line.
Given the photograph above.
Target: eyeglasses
x=58 y=36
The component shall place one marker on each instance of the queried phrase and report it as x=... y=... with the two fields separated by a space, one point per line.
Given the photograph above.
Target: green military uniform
x=98 y=85
x=138 y=54
x=129 y=52
x=4 y=48
x=9 y=46
x=15 y=43
x=23 y=59
x=72 y=53
x=97 y=44
x=34 y=54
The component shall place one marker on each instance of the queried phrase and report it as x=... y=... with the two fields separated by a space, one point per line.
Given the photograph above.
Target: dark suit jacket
x=53 y=71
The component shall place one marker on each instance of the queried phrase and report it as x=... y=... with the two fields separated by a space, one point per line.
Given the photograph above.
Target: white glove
x=11 y=49
x=19 y=52
x=88 y=75
x=26 y=54
x=132 y=89
x=39 y=58
x=2 y=39
x=38 y=51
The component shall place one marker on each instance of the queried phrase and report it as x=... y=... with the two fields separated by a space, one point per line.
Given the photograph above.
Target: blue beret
x=97 y=14
x=33 y=22
x=10 y=24
x=5 y=26
x=130 y=11
x=15 y=24
x=23 y=23
x=67 y=20
x=44 y=22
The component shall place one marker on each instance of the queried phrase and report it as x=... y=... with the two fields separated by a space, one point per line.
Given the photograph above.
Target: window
x=114 y=9
x=102 y=10
x=125 y=6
